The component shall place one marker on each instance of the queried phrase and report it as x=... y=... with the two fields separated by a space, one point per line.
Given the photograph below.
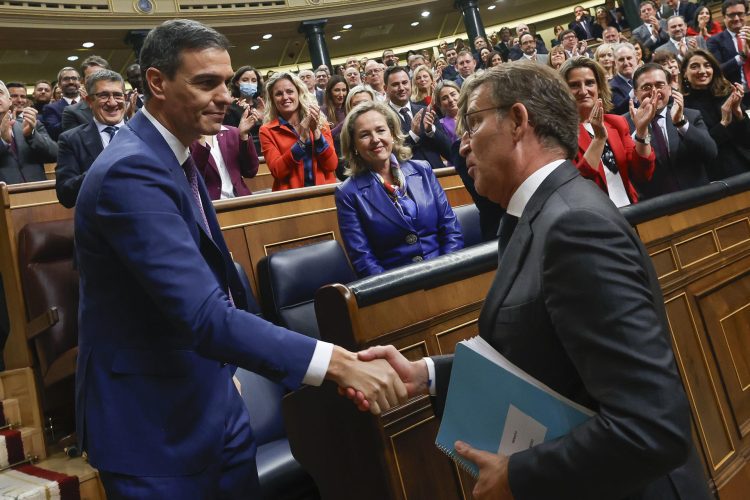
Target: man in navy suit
x=69 y=82
x=80 y=146
x=156 y=407
x=427 y=142
x=582 y=24
x=724 y=45
x=622 y=83
x=80 y=113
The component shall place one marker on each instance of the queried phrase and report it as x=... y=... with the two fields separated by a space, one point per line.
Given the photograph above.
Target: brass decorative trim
x=307 y=237
x=678 y=356
x=274 y=219
x=746 y=220
x=685 y=242
x=726 y=340
x=451 y=330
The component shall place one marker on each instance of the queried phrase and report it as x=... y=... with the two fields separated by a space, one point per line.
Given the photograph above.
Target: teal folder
x=495 y=406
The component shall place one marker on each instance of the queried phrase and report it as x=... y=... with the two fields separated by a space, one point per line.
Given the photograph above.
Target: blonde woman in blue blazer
x=392 y=211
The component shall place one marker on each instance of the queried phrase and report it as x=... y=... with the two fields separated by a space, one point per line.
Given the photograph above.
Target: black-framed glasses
x=468 y=124
x=731 y=15
x=104 y=96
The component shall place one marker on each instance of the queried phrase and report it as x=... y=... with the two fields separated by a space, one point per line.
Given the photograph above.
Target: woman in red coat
x=607 y=154
x=295 y=138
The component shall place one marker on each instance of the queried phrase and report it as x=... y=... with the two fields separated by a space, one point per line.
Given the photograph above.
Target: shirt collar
x=399 y=108
x=70 y=99
x=626 y=80
x=179 y=149
x=101 y=126
x=526 y=190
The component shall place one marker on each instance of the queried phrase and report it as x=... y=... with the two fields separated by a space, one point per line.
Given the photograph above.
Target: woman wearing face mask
x=246 y=87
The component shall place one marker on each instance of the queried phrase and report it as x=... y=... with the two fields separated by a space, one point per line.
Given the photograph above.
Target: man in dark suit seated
x=679 y=136
x=161 y=317
x=426 y=140
x=24 y=144
x=80 y=113
x=79 y=147
x=69 y=82
x=622 y=83
x=730 y=47
x=575 y=303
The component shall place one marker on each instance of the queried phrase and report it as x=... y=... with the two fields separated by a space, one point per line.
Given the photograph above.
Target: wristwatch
x=681 y=123
x=646 y=140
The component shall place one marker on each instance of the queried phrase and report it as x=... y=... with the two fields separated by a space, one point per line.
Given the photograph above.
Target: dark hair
x=541 y=91
x=719 y=85
x=645 y=51
x=163 y=46
x=15 y=85
x=526 y=34
x=605 y=93
x=731 y=3
x=648 y=67
x=103 y=75
x=496 y=53
x=328 y=97
x=43 y=81
x=561 y=35
x=662 y=56
x=649 y=2
x=234 y=85
x=694 y=21
x=65 y=69
x=93 y=61
x=390 y=70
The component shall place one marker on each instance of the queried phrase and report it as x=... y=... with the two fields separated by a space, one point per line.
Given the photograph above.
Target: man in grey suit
x=24 y=144
x=679 y=44
x=652 y=33
x=575 y=303
x=80 y=113
x=528 y=47
x=679 y=136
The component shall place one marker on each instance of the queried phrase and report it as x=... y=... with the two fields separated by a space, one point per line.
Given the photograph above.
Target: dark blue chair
x=471 y=229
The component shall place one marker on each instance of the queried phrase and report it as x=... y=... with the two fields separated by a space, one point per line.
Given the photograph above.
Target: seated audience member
x=18 y=97
x=226 y=158
x=322 y=75
x=422 y=85
x=720 y=103
x=308 y=78
x=602 y=21
x=573 y=48
x=484 y=57
x=556 y=31
x=606 y=152
x=611 y=35
x=358 y=94
x=352 y=75
x=605 y=56
x=295 y=137
x=446 y=98
x=42 y=95
x=495 y=59
x=392 y=210
x=678 y=43
x=642 y=54
x=450 y=72
x=652 y=33
x=583 y=24
x=24 y=144
x=69 y=83
x=703 y=24
x=465 y=64
x=668 y=61
x=80 y=146
x=374 y=78
x=333 y=107
x=80 y=113
x=528 y=47
x=622 y=84
x=557 y=56
x=679 y=137
x=515 y=52
x=426 y=141
x=730 y=47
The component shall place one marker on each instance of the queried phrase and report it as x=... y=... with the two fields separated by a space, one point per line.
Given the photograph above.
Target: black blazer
x=685 y=166
x=75 y=115
x=52 y=117
x=78 y=148
x=576 y=303
x=722 y=47
x=427 y=148
x=620 y=95
x=581 y=32
x=31 y=155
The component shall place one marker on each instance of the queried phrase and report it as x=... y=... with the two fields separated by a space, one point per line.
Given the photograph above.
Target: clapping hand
x=310 y=122
x=493 y=483
x=429 y=119
x=732 y=107
x=596 y=119
x=6 y=125
x=416 y=122
x=678 y=107
x=29 y=121
x=250 y=117
x=654 y=22
x=644 y=114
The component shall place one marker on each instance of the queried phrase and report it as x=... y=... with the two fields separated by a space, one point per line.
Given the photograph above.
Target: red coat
x=276 y=142
x=630 y=164
x=713 y=28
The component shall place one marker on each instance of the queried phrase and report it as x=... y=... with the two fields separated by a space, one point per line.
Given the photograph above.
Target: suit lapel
x=414 y=186
x=672 y=136
x=92 y=140
x=377 y=198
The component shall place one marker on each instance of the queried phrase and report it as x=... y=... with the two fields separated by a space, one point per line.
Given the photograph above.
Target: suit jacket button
x=411 y=239
x=417 y=258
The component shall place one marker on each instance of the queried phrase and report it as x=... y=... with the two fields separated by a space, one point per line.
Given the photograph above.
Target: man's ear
x=156 y=81
x=519 y=117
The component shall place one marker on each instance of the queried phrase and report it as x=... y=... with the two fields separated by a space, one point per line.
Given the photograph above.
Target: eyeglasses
x=731 y=15
x=104 y=96
x=374 y=71
x=647 y=87
x=468 y=124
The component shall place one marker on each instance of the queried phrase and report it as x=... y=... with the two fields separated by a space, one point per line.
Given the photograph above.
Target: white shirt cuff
x=318 y=368
x=414 y=136
x=738 y=59
x=431 y=374
x=683 y=130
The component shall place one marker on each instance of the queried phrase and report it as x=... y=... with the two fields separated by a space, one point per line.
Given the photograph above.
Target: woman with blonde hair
x=557 y=56
x=605 y=56
x=422 y=85
x=295 y=137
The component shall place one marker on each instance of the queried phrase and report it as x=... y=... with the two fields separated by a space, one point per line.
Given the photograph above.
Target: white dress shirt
x=104 y=135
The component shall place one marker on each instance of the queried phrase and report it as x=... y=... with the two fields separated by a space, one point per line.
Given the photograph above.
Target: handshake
x=377 y=378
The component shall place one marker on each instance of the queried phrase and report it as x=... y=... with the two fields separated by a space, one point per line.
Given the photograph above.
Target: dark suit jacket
x=642 y=34
x=75 y=115
x=580 y=30
x=32 y=153
x=721 y=46
x=430 y=149
x=685 y=167
x=77 y=150
x=516 y=54
x=450 y=73
x=156 y=327
x=377 y=237
x=52 y=117
x=239 y=156
x=576 y=303
x=620 y=96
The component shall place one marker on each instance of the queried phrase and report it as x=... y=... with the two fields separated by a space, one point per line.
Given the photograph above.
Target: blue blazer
x=77 y=150
x=52 y=117
x=156 y=327
x=722 y=47
x=620 y=96
x=378 y=238
x=431 y=149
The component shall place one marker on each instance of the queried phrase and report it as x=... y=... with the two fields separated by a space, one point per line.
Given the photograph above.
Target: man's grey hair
x=623 y=45
x=164 y=45
x=103 y=75
x=546 y=97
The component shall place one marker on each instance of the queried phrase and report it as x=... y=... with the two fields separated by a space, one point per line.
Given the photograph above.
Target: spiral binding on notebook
x=460 y=461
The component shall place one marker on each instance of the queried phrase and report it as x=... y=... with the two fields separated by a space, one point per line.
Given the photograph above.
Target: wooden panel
x=696 y=248
x=734 y=233
x=415 y=352
x=664 y=262
x=447 y=338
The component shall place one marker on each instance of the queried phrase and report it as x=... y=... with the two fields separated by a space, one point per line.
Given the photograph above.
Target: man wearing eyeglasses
x=80 y=113
x=69 y=82
x=678 y=136
x=730 y=47
x=79 y=147
x=374 y=78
